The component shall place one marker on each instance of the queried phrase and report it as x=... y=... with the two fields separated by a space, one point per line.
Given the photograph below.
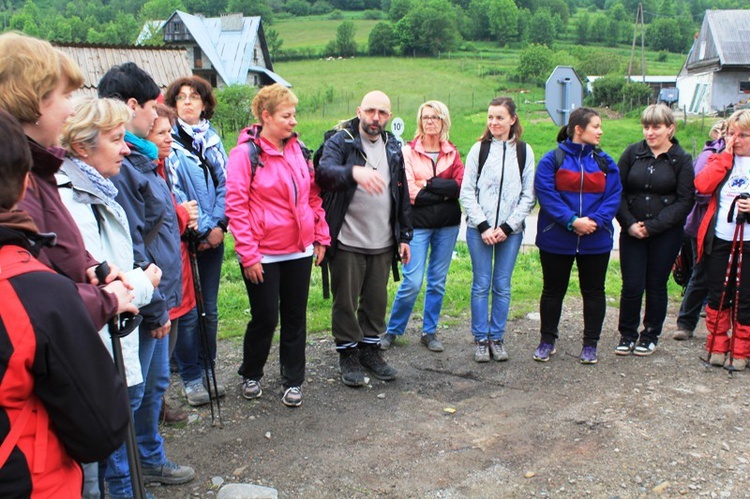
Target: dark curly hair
x=201 y=86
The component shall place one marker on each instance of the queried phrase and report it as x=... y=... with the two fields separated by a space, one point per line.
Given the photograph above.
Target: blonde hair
x=657 y=114
x=29 y=70
x=441 y=110
x=92 y=118
x=739 y=119
x=269 y=98
x=719 y=130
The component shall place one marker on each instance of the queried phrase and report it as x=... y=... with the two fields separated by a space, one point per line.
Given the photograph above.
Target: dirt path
x=627 y=427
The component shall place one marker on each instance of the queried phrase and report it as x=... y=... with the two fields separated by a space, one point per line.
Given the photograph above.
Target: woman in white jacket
x=94 y=139
x=497 y=196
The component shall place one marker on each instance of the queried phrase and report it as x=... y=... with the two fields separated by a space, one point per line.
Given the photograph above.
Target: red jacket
x=276 y=210
x=709 y=181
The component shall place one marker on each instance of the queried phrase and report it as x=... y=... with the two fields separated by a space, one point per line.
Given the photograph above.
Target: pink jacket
x=278 y=211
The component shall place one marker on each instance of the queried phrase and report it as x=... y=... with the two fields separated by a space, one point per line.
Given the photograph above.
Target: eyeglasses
x=432 y=118
x=382 y=113
x=192 y=97
x=739 y=135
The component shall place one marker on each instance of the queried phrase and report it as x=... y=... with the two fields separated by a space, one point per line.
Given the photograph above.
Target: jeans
x=592 y=273
x=189 y=348
x=440 y=242
x=486 y=277
x=646 y=265
x=145 y=401
x=284 y=290
x=695 y=293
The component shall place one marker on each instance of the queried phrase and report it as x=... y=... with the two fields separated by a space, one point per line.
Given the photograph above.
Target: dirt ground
x=449 y=427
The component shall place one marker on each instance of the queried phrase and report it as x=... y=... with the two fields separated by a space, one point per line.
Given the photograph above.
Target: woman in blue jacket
x=578 y=188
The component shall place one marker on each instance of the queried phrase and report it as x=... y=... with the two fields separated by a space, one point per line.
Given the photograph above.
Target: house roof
x=165 y=65
x=229 y=50
x=724 y=38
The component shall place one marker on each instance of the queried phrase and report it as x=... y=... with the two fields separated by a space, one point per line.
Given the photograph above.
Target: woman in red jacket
x=727 y=178
x=276 y=216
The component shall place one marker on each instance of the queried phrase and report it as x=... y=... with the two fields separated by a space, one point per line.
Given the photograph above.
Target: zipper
x=500 y=192
x=580 y=196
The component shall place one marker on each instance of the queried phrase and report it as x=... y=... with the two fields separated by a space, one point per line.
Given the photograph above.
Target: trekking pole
x=120 y=326
x=208 y=361
x=737 y=276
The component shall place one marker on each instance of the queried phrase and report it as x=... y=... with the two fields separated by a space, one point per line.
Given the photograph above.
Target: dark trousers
x=695 y=293
x=592 y=271
x=716 y=269
x=359 y=284
x=646 y=265
x=284 y=291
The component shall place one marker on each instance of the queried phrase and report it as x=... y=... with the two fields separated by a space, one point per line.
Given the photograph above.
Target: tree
x=542 y=28
x=599 y=25
x=382 y=39
x=343 y=45
x=480 y=26
x=503 y=16
x=251 y=8
x=321 y=7
x=159 y=9
x=524 y=25
x=298 y=7
x=232 y=106
x=613 y=32
x=428 y=29
x=209 y=8
x=534 y=63
x=274 y=43
x=664 y=34
x=399 y=9
x=582 y=31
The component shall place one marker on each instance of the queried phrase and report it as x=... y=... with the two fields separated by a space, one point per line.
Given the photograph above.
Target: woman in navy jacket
x=578 y=189
x=657 y=179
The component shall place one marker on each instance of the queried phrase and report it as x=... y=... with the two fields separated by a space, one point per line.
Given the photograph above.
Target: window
x=745 y=87
x=197 y=57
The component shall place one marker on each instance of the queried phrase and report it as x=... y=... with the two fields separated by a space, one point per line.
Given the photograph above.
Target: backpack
x=682 y=268
x=484 y=152
x=345 y=125
x=253 y=153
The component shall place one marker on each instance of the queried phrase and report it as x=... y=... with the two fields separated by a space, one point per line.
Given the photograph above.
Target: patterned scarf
x=143 y=146
x=197 y=132
x=106 y=188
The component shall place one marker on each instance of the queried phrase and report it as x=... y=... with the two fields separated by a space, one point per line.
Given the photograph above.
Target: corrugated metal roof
x=724 y=37
x=164 y=65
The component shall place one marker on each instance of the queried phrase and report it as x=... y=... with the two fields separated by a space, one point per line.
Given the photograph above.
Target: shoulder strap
x=601 y=161
x=14 y=260
x=188 y=145
x=521 y=156
x=559 y=158
x=253 y=153
x=484 y=152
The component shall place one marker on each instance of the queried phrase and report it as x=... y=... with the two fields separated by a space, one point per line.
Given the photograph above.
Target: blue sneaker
x=588 y=355
x=544 y=351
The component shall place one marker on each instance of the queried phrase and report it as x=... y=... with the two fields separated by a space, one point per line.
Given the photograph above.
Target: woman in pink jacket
x=276 y=216
x=434 y=171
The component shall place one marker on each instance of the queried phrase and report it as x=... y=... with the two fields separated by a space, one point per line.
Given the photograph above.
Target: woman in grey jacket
x=497 y=197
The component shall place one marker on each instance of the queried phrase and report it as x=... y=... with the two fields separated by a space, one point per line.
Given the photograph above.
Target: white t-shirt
x=737 y=183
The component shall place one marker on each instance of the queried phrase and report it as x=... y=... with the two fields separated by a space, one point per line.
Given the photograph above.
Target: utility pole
x=638 y=18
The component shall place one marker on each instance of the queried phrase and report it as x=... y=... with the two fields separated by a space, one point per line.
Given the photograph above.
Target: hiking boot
x=497 y=350
x=195 y=393
x=544 y=351
x=735 y=363
x=168 y=473
x=644 y=348
x=169 y=415
x=208 y=383
x=482 y=351
x=371 y=359
x=387 y=340
x=292 y=397
x=251 y=388
x=625 y=347
x=432 y=343
x=588 y=355
x=682 y=335
x=717 y=359
x=351 y=369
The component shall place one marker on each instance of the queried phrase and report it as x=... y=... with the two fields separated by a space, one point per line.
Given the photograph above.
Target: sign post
x=397 y=129
x=563 y=92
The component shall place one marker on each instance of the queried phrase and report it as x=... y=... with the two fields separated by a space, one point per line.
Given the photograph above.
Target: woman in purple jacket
x=578 y=188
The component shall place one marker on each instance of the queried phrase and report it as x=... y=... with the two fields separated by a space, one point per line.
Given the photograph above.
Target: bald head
x=374 y=113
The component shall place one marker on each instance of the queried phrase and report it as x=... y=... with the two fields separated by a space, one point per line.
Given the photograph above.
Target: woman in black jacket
x=657 y=195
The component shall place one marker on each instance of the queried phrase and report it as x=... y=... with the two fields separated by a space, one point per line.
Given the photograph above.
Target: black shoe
x=351 y=370
x=372 y=359
x=625 y=347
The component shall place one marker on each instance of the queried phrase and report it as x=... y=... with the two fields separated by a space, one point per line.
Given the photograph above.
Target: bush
x=321 y=7
x=662 y=56
x=535 y=64
x=232 y=111
x=371 y=14
x=336 y=15
x=608 y=90
x=382 y=39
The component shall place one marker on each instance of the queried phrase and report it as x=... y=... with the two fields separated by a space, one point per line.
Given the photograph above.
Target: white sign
x=397 y=128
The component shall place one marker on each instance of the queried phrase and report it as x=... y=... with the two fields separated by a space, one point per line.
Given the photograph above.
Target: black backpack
x=601 y=161
x=484 y=152
x=345 y=125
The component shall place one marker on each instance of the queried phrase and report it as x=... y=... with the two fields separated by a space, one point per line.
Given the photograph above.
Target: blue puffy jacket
x=579 y=188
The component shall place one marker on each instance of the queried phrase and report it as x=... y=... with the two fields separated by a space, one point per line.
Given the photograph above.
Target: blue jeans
x=145 y=401
x=188 y=350
x=440 y=242
x=485 y=277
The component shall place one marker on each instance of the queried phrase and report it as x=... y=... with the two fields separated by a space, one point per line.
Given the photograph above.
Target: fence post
x=703 y=121
x=684 y=115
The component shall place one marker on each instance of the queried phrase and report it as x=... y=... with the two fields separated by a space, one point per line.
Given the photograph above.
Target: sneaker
x=195 y=393
x=544 y=351
x=588 y=355
x=625 y=347
x=351 y=369
x=497 y=350
x=371 y=359
x=717 y=359
x=387 y=340
x=431 y=342
x=251 y=388
x=482 y=352
x=168 y=473
x=735 y=363
x=208 y=383
x=682 y=335
x=292 y=397
x=644 y=348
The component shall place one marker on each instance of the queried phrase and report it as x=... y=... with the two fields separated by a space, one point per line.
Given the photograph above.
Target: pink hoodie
x=280 y=210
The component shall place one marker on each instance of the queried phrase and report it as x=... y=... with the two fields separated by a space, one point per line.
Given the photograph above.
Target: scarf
x=105 y=187
x=143 y=146
x=197 y=132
